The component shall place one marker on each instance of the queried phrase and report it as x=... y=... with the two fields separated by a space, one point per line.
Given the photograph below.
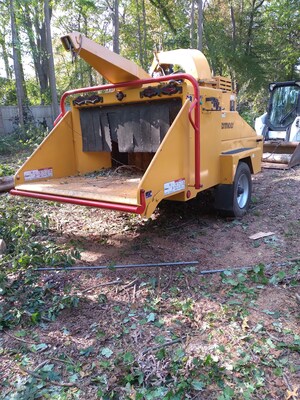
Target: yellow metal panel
x=223 y=83
x=229 y=163
x=234 y=127
x=192 y=62
x=112 y=66
x=210 y=148
x=55 y=155
x=256 y=158
x=170 y=163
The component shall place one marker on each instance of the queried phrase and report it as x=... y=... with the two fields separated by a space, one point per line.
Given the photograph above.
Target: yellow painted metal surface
x=169 y=166
x=60 y=155
x=112 y=66
x=191 y=61
x=229 y=163
x=55 y=156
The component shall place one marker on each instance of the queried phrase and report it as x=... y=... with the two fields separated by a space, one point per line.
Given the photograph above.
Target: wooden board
x=274 y=165
x=114 y=188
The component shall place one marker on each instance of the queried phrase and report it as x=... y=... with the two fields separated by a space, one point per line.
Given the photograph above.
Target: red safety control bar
x=136 y=209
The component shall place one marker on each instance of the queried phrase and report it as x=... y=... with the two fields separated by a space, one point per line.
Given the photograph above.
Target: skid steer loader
x=145 y=137
x=280 y=126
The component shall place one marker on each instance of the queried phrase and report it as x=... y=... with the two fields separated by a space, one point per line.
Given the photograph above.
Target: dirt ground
x=128 y=312
x=192 y=231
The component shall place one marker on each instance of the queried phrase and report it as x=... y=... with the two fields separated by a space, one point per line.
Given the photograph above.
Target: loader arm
x=111 y=66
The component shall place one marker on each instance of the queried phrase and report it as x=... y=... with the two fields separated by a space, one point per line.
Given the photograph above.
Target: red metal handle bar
x=135 y=209
x=139 y=82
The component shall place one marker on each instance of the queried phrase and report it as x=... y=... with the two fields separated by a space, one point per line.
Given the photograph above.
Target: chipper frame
x=129 y=144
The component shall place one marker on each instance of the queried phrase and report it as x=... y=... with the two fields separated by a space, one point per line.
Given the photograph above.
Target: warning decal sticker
x=174 y=186
x=38 y=174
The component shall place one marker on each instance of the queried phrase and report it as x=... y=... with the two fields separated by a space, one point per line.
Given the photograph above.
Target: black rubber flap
x=95 y=130
x=137 y=127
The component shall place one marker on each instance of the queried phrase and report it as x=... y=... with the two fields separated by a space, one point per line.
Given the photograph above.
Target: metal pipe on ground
x=120 y=266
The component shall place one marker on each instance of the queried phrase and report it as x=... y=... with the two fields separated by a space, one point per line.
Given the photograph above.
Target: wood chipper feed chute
x=151 y=134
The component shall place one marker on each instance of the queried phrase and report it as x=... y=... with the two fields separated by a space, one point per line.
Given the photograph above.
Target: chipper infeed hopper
x=129 y=144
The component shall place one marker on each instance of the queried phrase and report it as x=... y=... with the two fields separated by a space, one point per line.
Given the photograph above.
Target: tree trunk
x=52 y=80
x=249 y=39
x=116 y=22
x=5 y=58
x=160 y=5
x=21 y=97
x=139 y=31
x=192 y=35
x=144 y=64
x=27 y=22
x=200 y=25
x=233 y=25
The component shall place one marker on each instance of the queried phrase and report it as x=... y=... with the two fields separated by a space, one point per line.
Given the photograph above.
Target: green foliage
x=8 y=92
x=25 y=252
x=230 y=357
x=5 y=170
x=28 y=138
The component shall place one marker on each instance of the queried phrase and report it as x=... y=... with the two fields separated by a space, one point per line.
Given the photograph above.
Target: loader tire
x=234 y=200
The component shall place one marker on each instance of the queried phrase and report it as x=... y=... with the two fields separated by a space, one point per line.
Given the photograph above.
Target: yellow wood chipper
x=145 y=137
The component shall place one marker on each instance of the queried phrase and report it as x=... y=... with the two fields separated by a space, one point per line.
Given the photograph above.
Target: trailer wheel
x=234 y=200
x=242 y=189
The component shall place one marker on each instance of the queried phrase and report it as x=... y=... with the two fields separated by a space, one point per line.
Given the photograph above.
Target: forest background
x=255 y=42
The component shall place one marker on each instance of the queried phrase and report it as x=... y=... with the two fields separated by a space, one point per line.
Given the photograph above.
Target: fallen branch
x=134 y=294
x=47 y=381
x=218 y=271
x=294 y=259
x=127 y=285
x=61 y=361
x=117 y=281
x=290 y=392
x=19 y=339
x=163 y=345
x=6 y=183
x=273 y=337
x=41 y=365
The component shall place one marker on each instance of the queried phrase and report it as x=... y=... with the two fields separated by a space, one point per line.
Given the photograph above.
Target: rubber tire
x=228 y=198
